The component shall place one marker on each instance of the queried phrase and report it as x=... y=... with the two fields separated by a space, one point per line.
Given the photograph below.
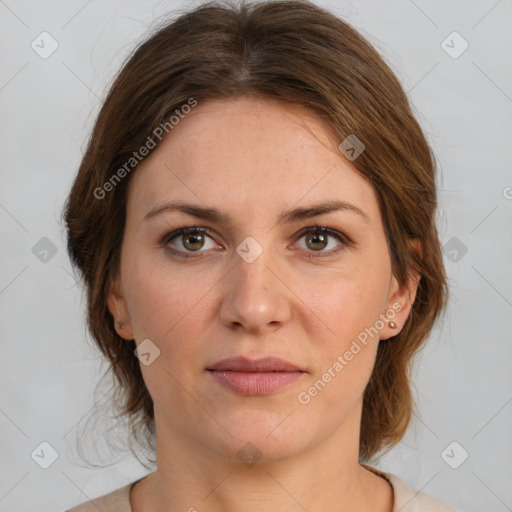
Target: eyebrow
x=289 y=216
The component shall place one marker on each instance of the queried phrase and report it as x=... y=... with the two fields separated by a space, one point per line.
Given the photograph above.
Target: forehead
x=251 y=153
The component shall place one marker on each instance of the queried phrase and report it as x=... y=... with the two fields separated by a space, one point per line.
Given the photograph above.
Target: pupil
x=320 y=237
x=196 y=240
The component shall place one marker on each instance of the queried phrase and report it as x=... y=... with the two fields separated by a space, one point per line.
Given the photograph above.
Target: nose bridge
x=255 y=296
x=252 y=262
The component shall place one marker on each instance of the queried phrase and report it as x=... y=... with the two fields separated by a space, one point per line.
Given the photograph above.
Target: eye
x=317 y=239
x=188 y=240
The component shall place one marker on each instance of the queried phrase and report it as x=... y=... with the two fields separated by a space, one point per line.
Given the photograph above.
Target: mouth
x=255 y=377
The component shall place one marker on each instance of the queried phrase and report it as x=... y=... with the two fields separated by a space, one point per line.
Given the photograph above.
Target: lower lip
x=255 y=383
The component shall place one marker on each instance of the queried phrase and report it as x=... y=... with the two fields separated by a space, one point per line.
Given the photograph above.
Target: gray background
x=48 y=367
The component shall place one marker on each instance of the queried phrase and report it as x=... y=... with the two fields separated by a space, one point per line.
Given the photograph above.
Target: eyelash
x=344 y=239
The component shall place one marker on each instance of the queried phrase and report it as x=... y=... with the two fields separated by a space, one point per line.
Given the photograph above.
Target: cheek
x=172 y=309
x=347 y=302
x=166 y=307
x=161 y=298
x=346 y=358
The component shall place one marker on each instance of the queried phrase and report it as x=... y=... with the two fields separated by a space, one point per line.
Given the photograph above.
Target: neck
x=193 y=477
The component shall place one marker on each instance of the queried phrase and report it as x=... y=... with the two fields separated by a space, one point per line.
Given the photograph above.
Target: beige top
x=405 y=499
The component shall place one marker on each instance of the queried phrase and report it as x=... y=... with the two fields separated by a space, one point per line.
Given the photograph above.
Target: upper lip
x=264 y=364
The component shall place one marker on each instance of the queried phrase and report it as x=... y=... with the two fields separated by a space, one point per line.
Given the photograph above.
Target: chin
x=260 y=437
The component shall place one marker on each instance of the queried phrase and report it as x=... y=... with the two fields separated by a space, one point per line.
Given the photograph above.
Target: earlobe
x=401 y=300
x=117 y=307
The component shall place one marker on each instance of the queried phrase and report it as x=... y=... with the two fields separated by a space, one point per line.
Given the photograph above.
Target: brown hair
x=299 y=54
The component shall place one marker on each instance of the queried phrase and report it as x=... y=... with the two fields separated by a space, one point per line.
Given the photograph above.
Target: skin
x=254 y=159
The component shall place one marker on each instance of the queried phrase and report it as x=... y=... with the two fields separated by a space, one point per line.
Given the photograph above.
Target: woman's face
x=253 y=283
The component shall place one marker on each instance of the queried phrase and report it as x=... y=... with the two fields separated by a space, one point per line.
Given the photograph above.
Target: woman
x=254 y=223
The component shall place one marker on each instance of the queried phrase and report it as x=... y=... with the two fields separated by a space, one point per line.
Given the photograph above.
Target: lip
x=264 y=364
x=255 y=377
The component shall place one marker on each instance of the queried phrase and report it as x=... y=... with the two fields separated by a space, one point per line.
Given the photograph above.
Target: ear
x=117 y=307
x=401 y=298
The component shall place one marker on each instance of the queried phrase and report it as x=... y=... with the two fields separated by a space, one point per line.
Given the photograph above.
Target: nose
x=255 y=295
